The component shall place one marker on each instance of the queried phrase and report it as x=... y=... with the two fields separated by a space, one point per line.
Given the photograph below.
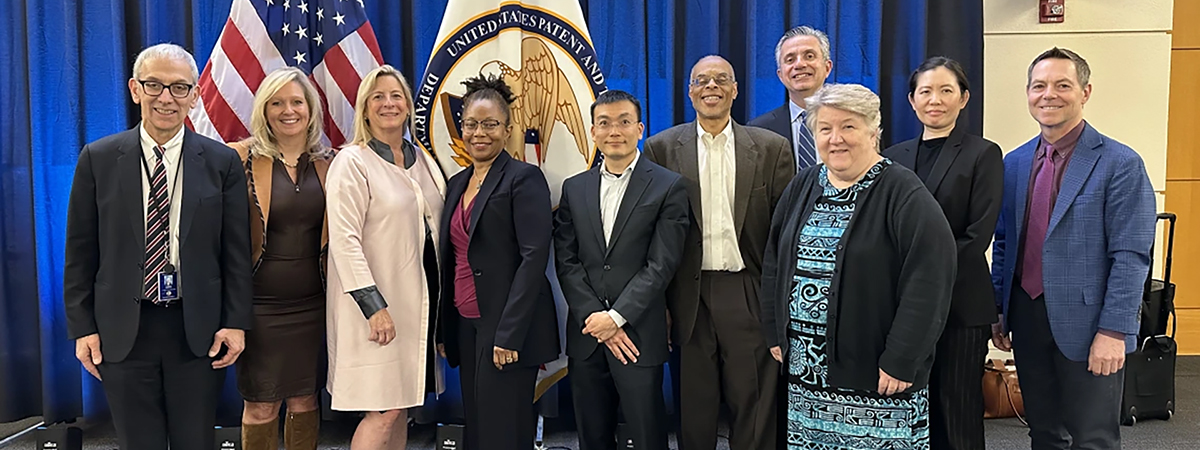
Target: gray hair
x=803 y=30
x=166 y=51
x=854 y=98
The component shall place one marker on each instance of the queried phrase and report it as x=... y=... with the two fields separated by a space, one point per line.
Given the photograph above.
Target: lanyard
x=170 y=194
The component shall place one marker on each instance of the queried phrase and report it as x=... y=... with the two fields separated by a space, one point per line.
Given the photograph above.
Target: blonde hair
x=262 y=140
x=362 y=129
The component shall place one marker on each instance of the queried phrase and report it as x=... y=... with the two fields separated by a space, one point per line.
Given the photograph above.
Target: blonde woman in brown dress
x=385 y=199
x=285 y=169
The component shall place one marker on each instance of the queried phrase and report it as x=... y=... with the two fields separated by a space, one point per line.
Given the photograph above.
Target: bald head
x=712 y=62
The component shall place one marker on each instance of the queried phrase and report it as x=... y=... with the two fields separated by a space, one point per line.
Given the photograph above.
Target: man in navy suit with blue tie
x=1070 y=259
x=802 y=56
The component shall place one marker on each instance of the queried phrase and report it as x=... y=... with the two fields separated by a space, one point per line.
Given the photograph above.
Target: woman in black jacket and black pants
x=965 y=173
x=857 y=277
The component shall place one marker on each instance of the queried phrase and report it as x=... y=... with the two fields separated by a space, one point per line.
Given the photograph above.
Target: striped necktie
x=158 y=213
x=806 y=146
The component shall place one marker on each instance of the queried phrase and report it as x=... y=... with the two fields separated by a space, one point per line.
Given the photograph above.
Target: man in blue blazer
x=1069 y=262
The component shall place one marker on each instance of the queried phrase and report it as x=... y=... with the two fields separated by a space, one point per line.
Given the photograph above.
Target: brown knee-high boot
x=300 y=430
x=262 y=436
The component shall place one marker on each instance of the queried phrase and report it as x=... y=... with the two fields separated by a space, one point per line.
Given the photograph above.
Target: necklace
x=479 y=180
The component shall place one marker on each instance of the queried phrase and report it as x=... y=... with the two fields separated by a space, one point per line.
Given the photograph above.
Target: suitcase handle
x=1167 y=263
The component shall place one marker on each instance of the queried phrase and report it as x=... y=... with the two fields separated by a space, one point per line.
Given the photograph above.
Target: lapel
x=322 y=166
x=129 y=170
x=1083 y=160
x=950 y=151
x=638 y=181
x=746 y=154
x=905 y=153
x=783 y=122
x=1024 y=155
x=193 y=176
x=260 y=169
x=489 y=185
x=687 y=159
x=591 y=203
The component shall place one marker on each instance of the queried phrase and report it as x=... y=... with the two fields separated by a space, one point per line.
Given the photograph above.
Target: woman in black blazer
x=497 y=314
x=965 y=173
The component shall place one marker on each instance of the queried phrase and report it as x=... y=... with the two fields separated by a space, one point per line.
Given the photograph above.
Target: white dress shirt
x=612 y=191
x=171 y=155
x=718 y=169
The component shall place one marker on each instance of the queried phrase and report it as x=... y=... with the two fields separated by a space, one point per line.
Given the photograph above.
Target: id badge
x=168 y=286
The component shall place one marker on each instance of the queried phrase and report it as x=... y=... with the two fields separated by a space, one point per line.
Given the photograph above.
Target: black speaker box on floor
x=58 y=438
x=449 y=437
x=228 y=438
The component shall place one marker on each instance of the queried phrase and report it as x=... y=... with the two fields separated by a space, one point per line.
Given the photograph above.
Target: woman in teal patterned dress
x=857 y=279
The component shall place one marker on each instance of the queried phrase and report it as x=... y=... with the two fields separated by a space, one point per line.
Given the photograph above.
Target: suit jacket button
x=478 y=273
x=697 y=277
x=607 y=267
x=137 y=300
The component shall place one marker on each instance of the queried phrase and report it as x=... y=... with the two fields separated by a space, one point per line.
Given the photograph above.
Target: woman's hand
x=382 y=328
x=500 y=357
x=889 y=385
x=441 y=349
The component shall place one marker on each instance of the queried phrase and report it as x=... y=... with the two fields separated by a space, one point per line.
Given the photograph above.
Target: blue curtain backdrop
x=64 y=66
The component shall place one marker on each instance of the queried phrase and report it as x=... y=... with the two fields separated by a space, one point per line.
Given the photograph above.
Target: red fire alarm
x=1051 y=11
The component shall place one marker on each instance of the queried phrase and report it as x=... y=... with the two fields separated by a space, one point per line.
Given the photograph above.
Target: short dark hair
x=489 y=87
x=615 y=96
x=933 y=63
x=1083 y=73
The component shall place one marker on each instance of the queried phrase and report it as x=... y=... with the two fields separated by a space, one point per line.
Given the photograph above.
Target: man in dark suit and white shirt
x=734 y=177
x=618 y=236
x=157 y=282
x=802 y=56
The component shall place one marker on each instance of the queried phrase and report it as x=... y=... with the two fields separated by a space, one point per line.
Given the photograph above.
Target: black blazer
x=967 y=180
x=630 y=274
x=892 y=278
x=105 y=243
x=778 y=120
x=509 y=251
x=764 y=166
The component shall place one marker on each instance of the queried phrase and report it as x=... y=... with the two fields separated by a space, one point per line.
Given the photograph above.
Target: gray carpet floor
x=1180 y=433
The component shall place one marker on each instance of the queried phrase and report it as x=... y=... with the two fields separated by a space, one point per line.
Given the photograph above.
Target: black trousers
x=599 y=383
x=162 y=393
x=1066 y=405
x=727 y=358
x=498 y=404
x=956 y=390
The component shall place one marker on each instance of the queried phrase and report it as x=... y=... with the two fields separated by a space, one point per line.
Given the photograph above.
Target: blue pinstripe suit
x=1097 y=249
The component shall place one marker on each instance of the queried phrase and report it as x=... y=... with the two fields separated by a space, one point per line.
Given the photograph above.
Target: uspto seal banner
x=543 y=51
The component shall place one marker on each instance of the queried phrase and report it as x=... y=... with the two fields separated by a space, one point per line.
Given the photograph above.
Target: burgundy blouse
x=464 y=277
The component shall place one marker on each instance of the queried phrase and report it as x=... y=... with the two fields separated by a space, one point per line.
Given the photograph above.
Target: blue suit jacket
x=1097 y=250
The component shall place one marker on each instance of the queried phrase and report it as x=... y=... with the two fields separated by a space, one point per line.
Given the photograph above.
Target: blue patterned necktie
x=806 y=146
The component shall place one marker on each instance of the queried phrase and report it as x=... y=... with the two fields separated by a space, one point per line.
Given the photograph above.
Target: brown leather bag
x=1001 y=392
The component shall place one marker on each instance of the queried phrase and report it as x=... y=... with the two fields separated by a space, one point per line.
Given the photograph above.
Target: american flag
x=331 y=40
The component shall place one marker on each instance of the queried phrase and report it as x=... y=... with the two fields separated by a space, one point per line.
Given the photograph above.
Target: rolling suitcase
x=1150 y=370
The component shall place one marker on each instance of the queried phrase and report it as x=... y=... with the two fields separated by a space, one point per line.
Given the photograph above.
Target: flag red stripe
x=238 y=52
x=343 y=73
x=331 y=130
x=224 y=119
x=368 y=36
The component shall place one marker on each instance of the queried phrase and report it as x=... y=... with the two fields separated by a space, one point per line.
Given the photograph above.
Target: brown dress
x=283 y=356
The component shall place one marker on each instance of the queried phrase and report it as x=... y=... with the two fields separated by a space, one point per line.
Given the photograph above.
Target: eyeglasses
x=703 y=80
x=489 y=125
x=605 y=125
x=155 y=88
